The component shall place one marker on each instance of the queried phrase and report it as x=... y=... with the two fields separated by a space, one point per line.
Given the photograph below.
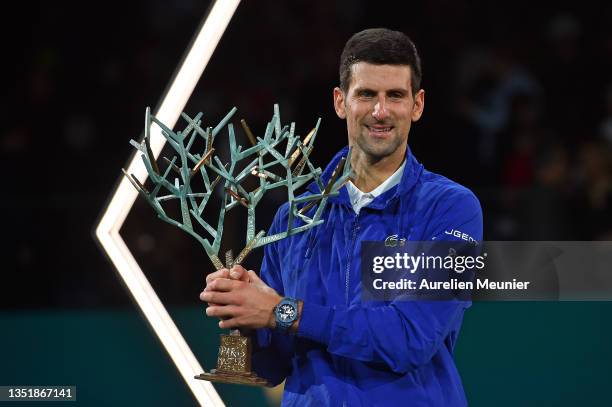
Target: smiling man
x=311 y=326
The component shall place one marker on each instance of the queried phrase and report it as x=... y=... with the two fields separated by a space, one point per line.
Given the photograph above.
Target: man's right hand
x=236 y=273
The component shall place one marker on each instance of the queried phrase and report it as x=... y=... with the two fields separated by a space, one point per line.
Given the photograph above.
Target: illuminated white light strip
x=107 y=231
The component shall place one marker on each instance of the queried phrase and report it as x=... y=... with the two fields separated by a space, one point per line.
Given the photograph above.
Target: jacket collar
x=412 y=173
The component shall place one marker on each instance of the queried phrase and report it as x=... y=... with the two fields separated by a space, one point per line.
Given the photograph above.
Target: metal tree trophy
x=280 y=151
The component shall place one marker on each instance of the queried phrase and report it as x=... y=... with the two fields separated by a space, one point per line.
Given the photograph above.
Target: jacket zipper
x=355 y=228
x=347 y=280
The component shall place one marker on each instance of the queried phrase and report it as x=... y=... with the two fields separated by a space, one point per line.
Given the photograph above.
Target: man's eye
x=366 y=94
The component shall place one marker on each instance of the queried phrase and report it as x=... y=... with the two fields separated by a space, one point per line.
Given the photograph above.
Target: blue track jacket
x=352 y=353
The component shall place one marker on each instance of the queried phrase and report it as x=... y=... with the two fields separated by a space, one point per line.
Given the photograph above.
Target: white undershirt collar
x=360 y=199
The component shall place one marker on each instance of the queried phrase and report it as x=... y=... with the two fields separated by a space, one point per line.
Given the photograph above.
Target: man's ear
x=339 y=103
x=419 y=105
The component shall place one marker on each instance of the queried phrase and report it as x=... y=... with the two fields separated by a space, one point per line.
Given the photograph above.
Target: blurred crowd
x=518 y=108
x=544 y=140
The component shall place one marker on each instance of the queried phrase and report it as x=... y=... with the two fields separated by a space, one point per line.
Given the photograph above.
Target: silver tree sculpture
x=278 y=159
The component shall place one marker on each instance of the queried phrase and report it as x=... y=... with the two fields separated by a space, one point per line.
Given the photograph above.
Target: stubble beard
x=376 y=150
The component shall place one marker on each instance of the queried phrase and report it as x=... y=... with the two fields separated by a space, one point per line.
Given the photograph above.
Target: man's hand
x=240 y=298
x=235 y=274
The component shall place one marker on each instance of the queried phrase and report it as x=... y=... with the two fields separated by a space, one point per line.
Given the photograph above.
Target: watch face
x=286 y=312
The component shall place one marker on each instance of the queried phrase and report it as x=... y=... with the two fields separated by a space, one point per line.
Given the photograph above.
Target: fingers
x=223 y=273
x=236 y=273
x=228 y=324
x=227 y=311
x=220 y=298
x=239 y=273
x=231 y=324
x=238 y=322
x=253 y=277
x=229 y=315
x=225 y=281
x=223 y=284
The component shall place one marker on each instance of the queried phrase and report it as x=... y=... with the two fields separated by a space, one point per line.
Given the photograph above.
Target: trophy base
x=250 y=378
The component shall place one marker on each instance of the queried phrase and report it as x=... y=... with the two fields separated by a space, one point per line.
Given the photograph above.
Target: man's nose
x=380 y=111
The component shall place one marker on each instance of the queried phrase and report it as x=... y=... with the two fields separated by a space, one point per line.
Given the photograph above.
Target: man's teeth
x=379 y=130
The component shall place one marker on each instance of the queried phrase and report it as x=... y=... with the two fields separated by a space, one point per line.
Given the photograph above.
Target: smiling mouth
x=379 y=130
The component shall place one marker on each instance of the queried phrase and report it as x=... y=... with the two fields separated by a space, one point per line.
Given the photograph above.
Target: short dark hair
x=380 y=46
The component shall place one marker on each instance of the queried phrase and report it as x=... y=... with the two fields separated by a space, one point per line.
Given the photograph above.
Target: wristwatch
x=286 y=313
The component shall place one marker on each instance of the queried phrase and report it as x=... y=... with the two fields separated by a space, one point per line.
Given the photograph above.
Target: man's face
x=379 y=108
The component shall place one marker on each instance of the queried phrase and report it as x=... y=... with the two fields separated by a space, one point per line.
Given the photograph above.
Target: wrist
x=272 y=315
x=294 y=328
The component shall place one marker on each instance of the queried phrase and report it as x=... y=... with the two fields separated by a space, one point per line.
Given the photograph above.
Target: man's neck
x=370 y=173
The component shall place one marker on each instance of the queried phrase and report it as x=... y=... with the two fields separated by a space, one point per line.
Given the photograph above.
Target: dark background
x=518 y=108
